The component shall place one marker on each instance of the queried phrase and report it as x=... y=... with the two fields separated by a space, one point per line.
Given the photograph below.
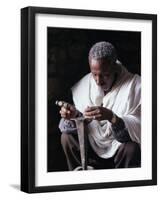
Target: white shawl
x=124 y=99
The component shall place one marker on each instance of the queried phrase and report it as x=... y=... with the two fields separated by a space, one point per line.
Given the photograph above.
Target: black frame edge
x=154 y=99
x=93 y=186
x=24 y=100
x=96 y=13
x=27 y=100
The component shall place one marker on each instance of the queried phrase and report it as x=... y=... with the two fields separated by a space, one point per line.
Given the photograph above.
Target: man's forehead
x=100 y=65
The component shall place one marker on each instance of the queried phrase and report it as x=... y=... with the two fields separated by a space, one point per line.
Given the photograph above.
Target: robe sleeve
x=120 y=132
x=132 y=118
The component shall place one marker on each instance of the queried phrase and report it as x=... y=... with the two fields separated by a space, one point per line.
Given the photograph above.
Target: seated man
x=109 y=97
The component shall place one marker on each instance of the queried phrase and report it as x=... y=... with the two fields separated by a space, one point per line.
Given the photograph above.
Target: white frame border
x=42 y=178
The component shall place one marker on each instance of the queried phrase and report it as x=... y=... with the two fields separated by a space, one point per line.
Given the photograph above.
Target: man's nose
x=98 y=80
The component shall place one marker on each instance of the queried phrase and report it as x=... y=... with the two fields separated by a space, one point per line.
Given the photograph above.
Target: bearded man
x=109 y=97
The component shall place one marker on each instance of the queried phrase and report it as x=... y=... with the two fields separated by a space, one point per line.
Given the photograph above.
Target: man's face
x=102 y=73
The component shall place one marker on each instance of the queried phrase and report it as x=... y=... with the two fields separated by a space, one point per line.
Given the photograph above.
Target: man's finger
x=95 y=112
x=88 y=109
x=62 y=112
x=97 y=117
x=71 y=107
x=64 y=109
x=65 y=116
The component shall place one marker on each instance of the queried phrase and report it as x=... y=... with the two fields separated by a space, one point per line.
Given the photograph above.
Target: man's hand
x=69 y=112
x=98 y=113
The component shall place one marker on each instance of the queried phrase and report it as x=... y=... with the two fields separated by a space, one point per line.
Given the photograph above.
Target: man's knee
x=132 y=153
x=132 y=149
x=128 y=155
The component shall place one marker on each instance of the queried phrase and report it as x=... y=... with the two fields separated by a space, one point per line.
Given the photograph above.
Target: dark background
x=68 y=62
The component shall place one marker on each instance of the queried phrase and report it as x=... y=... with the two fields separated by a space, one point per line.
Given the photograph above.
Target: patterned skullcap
x=103 y=50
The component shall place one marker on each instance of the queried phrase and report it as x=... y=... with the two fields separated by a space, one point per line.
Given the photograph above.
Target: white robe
x=124 y=99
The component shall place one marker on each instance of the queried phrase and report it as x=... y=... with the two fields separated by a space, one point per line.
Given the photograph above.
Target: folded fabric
x=67 y=126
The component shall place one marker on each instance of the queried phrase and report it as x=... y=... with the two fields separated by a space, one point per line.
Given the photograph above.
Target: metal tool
x=82 y=137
